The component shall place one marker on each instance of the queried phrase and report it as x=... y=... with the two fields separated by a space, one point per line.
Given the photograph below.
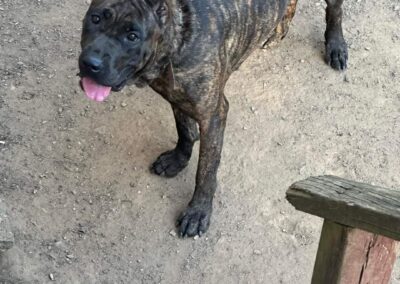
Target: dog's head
x=119 y=41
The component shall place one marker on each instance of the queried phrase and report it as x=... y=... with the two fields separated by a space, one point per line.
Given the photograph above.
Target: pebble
x=172 y=233
x=51 y=276
x=123 y=104
x=196 y=237
x=257 y=252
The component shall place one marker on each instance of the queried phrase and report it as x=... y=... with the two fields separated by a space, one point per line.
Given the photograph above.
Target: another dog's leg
x=170 y=163
x=196 y=218
x=336 y=49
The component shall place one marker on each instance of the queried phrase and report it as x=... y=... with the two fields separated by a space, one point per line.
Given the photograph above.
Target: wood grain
x=358 y=205
x=348 y=256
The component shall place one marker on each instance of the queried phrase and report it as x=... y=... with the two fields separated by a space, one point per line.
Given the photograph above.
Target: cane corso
x=186 y=50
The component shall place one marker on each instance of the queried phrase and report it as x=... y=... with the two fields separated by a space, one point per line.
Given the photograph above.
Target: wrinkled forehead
x=123 y=10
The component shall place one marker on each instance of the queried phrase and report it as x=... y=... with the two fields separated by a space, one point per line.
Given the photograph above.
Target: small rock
x=196 y=237
x=172 y=233
x=123 y=104
x=257 y=252
x=51 y=276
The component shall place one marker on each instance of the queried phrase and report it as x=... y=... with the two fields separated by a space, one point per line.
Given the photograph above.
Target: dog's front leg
x=170 y=163
x=195 y=219
x=336 y=48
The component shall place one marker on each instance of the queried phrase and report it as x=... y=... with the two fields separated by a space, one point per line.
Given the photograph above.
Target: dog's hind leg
x=170 y=163
x=336 y=48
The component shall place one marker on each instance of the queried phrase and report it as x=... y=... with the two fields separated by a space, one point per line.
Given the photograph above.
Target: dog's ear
x=161 y=10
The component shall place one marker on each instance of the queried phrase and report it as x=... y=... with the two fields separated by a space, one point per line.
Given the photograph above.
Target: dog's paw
x=336 y=54
x=195 y=220
x=169 y=164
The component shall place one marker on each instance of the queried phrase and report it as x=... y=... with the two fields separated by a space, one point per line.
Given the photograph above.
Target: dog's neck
x=174 y=33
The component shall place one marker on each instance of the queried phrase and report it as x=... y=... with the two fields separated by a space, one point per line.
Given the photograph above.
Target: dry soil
x=74 y=174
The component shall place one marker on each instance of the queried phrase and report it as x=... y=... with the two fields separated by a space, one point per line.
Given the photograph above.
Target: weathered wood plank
x=347 y=256
x=6 y=236
x=371 y=208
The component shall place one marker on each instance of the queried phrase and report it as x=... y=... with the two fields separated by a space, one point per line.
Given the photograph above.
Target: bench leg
x=347 y=256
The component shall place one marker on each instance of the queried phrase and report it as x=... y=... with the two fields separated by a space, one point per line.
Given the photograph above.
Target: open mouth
x=96 y=91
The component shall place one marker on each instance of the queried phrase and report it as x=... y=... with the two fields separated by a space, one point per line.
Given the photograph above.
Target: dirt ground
x=74 y=173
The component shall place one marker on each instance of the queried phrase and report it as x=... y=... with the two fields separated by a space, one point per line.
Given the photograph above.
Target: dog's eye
x=107 y=14
x=95 y=19
x=132 y=37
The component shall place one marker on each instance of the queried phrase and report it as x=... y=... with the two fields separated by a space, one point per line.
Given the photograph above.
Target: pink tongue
x=95 y=91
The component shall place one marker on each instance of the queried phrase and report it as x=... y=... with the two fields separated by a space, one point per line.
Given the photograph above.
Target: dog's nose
x=92 y=63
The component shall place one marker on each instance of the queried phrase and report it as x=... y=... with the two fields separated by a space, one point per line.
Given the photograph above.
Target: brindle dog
x=186 y=50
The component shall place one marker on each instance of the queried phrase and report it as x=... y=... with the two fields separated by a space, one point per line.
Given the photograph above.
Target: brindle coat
x=186 y=50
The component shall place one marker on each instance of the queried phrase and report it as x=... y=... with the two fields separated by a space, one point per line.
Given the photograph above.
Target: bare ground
x=74 y=174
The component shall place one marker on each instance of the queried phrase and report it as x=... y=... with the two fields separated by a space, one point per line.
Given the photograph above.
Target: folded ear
x=161 y=10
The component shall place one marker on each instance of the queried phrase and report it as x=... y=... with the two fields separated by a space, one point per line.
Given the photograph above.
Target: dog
x=185 y=50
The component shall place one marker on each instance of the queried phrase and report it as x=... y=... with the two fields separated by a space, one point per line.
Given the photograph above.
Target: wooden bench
x=361 y=230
